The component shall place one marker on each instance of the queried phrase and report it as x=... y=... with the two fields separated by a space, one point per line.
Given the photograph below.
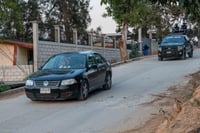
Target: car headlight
x=29 y=82
x=68 y=82
x=180 y=48
x=159 y=49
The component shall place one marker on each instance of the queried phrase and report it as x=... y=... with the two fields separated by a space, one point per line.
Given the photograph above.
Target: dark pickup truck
x=175 y=46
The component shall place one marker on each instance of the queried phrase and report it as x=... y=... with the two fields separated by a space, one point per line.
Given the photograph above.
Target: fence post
x=35 y=45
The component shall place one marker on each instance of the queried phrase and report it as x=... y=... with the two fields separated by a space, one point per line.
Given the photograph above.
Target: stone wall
x=15 y=73
x=47 y=49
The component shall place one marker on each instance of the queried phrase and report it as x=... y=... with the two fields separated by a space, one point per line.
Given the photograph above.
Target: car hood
x=171 y=44
x=56 y=74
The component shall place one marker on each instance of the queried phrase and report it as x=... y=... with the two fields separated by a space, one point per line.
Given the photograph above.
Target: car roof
x=177 y=34
x=78 y=52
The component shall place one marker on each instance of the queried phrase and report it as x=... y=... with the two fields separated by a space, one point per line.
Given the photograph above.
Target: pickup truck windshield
x=173 y=40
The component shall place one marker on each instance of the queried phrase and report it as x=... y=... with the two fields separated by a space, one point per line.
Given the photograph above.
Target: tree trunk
x=123 y=48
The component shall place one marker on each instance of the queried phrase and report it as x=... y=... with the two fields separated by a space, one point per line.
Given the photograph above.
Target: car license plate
x=169 y=52
x=45 y=90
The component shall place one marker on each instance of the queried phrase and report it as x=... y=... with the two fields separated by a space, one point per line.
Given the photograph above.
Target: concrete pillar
x=90 y=39
x=75 y=38
x=104 y=45
x=57 y=33
x=150 y=37
x=35 y=45
x=140 y=39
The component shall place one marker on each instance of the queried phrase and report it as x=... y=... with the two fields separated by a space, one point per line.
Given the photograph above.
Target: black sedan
x=69 y=75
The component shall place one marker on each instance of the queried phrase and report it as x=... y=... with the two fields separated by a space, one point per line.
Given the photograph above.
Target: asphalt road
x=133 y=84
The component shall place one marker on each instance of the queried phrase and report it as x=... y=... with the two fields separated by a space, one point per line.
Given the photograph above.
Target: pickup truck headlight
x=68 y=82
x=29 y=82
x=159 y=49
x=180 y=48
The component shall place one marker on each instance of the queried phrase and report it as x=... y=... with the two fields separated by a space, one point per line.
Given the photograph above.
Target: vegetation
x=16 y=16
x=134 y=51
x=125 y=13
x=4 y=88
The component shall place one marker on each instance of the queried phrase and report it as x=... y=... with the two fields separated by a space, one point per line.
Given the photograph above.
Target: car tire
x=160 y=58
x=190 y=54
x=183 y=56
x=84 y=90
x=108 y=82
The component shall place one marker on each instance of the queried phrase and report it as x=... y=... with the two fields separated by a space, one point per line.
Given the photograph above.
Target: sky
x=107 y=24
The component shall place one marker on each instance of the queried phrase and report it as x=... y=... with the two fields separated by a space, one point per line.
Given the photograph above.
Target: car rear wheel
x=84 y=90
x=108 y=82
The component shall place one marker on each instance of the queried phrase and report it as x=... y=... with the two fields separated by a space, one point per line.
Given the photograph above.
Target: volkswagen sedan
x=69 y=75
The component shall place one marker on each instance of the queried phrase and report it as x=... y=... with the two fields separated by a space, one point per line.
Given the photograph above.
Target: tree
x=11 y=18
x=190 y=7
x=125 y=13
x=16 y=17
x=69 y=13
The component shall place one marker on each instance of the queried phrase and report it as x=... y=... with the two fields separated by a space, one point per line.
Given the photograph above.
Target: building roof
x=21 y=44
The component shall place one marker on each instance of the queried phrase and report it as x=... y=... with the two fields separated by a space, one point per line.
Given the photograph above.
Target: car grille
x=172 y=49
x=49 y=96
x=50 y=83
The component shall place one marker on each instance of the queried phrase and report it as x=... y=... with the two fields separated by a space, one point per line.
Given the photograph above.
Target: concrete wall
x=6 y=54
x=15 y=73
x=47 y=49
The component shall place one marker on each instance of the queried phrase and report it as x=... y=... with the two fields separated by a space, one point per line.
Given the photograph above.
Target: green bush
x=134 y=51
x=4 y=88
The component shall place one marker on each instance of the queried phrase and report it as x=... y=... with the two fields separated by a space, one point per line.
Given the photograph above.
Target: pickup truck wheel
x=184 y=55
x=190 y=54
x=160 y=58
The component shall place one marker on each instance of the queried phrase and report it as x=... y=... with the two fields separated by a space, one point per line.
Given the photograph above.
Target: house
x=15 y=53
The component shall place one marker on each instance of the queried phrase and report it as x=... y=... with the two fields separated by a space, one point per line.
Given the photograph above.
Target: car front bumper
x=60 y=93
x=168 y=54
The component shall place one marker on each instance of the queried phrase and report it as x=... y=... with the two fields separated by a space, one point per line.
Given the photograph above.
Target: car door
x=92 y=72
x=101 y=65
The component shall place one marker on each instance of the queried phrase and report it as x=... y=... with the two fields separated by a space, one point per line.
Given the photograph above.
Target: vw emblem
x=45 y=83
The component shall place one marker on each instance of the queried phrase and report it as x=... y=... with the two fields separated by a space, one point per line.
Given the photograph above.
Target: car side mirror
x=92 y=66
x=159 y=42
x=40 y=68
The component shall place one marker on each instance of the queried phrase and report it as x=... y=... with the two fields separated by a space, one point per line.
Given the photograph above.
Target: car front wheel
x=84 y=90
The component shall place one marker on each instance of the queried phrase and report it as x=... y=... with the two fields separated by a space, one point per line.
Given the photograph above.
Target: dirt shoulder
x=178 y=110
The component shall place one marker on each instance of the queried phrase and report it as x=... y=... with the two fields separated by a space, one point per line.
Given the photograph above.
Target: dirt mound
x=178 y=109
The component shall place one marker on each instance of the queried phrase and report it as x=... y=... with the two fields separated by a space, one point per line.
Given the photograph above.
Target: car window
x=91 y=60
x=64 y=61
x=99 y=59
x=168 y=40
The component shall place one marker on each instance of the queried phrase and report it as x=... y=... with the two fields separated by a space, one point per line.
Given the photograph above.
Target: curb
x=12 y=91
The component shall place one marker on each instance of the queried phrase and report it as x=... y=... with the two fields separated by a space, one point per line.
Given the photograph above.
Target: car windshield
x=173 y=40
x=66 y=61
